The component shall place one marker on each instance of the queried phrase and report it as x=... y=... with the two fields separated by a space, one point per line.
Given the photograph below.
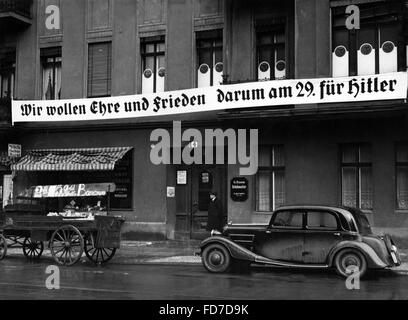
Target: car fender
x=236 y=251
x=373 y=260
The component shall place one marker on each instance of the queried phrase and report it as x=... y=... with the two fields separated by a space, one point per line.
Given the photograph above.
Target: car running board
x=260 y=259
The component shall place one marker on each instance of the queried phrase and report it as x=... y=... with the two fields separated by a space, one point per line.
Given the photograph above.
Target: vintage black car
x=306 y=237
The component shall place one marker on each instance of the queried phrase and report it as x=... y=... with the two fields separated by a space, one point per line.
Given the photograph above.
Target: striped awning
x=90 y=159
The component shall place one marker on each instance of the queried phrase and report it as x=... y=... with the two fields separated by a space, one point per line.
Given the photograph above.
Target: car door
x=322 y=233
x=283 y=239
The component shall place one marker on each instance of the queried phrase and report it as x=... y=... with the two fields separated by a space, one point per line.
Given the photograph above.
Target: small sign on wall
x=7 y=189
x=171 y=192
x=181 y=176
x=239 y=189
x=14 y=150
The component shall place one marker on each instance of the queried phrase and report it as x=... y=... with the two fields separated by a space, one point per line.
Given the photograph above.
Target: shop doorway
x=192 y=199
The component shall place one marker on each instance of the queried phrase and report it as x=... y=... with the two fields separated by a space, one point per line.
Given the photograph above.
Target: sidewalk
x=161 y=252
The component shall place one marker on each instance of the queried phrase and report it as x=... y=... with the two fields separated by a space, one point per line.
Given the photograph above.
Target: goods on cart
x=77 y=220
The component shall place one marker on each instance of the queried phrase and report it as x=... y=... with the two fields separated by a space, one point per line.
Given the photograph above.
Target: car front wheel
x=348 y=261
x=216 y=258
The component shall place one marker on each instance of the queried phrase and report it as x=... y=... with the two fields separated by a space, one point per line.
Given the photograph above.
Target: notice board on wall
x=7 y=189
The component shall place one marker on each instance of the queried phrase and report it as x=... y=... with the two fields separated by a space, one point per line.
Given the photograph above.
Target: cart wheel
x=97 y=255
x=3 y=247
x=32 y=249
x=67 y=245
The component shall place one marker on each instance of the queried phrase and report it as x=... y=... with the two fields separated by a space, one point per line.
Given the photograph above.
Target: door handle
x=268 y=231
x=337 y=234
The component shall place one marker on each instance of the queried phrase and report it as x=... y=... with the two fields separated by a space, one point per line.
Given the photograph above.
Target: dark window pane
x=367 y=35
x=279 y=186
x=402 y=188
x=265 y=156
x=280 y=37
x=289 y=219
x=210 y=52
x=321 y=220
x=278 y=156
x=51 y=73
x=349 y=187
x=266 y=54
x=205 y=56
x=349 y=154
x=402 y=153
x=149 y=48
x=366 y=188
x=263 y=191
x=153 y=58
x=218 y=55
x=365 y=153
x=161 y=47
x=99 y=69
x=341 y=38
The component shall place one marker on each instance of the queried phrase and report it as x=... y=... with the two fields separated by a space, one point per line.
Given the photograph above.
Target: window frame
x=271 y=169
x=399 y=164
x=109 y=79
x=56 y=62
x=300 y=211
x=377 y=21
x=212 y=37
x=155 y=40
x=338 y=224
x=358 y=165
x=272 y=29
x=8 y=71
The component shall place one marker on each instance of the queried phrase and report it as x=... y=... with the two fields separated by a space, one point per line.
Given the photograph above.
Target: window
x=99 y=69
x=7 y=74
x=209 y=58
x=153 y=64
x=377 y=47
x=291 y=219
x=356 y=176
x=321 y=220
x=270 y=179
x=51 y=73
x=271 y=51
x=402 y=175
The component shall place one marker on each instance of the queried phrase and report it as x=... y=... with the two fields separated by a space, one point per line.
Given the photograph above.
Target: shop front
x=74 y=167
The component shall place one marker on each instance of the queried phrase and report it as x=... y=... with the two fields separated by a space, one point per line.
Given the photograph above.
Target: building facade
x=353 y=154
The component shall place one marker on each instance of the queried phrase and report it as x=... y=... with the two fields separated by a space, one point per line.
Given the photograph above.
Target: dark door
x=204 y=179
x=192 y=199
x=322 y=234
x=284 y=239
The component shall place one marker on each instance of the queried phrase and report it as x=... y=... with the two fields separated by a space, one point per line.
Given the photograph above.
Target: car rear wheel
x=348 y=260
x=216 y=258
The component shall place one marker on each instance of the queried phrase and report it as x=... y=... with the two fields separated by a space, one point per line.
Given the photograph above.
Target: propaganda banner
x=273 y=93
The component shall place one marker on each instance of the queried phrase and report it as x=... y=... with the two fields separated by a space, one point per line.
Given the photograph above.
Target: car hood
x=242 y=227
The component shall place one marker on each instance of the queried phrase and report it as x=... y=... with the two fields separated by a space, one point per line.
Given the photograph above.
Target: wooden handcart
x=67 y=237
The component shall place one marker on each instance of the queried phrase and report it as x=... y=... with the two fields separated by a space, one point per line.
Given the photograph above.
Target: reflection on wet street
x=20 y=279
